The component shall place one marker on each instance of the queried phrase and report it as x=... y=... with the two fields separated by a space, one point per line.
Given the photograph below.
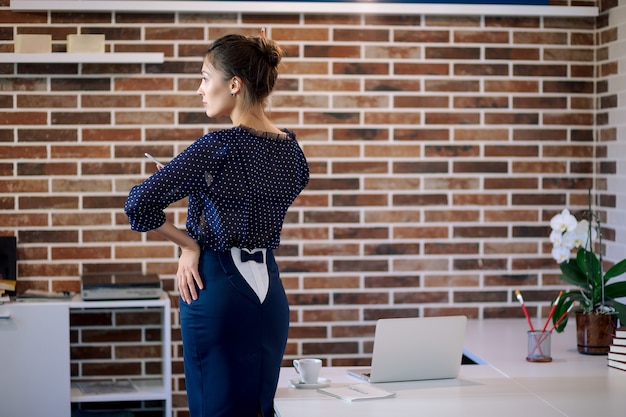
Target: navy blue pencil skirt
x=233 y=344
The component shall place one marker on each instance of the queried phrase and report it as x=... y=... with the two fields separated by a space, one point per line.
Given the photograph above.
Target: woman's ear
x=235 y=85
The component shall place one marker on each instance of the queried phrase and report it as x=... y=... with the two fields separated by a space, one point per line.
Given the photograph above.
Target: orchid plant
x=597 y=291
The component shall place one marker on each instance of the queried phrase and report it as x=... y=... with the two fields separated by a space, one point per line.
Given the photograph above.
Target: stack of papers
x=357 y=392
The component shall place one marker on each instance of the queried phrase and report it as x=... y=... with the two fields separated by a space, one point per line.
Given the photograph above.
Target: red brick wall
x=439 y=146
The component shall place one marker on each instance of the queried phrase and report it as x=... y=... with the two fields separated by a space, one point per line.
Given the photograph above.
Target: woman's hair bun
x=270 y=50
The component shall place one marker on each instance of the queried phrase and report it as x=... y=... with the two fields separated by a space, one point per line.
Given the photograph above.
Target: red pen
x=552 y=311
x=518 y=294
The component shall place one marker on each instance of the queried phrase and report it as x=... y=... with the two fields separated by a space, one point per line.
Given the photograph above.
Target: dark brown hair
x=253 y=59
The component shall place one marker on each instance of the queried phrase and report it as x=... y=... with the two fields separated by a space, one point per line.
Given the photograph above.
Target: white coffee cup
x=309 y=369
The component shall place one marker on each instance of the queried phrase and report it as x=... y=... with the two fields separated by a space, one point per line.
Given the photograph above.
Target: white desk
x=572 y=385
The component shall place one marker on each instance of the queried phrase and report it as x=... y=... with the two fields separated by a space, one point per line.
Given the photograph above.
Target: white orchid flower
x=556 y=237
x=564 y=221
x=568 y=240
x=582 y=232
x=560 y=253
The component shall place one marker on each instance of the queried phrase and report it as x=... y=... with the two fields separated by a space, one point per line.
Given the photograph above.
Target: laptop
x=413 y=349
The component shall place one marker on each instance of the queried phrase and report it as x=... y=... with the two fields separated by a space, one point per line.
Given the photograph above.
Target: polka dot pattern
x=240 y=183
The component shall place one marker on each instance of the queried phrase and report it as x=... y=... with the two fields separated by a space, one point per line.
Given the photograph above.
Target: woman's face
x=216 y=92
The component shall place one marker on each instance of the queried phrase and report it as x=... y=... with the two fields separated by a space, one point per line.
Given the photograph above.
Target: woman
x=240 y=182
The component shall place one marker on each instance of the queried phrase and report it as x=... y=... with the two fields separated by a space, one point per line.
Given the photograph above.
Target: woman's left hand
x=189 y=280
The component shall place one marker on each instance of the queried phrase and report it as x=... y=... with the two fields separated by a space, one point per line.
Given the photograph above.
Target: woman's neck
x=255 y=119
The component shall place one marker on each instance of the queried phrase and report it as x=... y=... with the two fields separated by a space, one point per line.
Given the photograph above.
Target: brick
x=61 y=168
x=360 y=68
x=107 y=101
x=111 y=369
x=420 y=200
x=480 y=199
x=330 y=315
x=394 y=183
x=332 y=348
x=410 y=265
x=391 y=249
x=392 y=19
x=393 y=281
x=331 y=117
x=51 y=236
x=392 y=118
x=420 y=232
x=451 y=151
x=511 y=86
x=509 y=151
x=422 y=36
x=451 y=53
x=92 y=252
x=514 y=54
x=568 y=119
x=540 y=102
x=51 y=100
x=480 y=232
x=433 y=134
x=543 y=38
x=402 y=68
x=23 y=118
x=451 y=183
x=488 y=102
x=453 y=118
x=513 y=21
x=332 y=51
x=510 y=183
x=452 y=85
x=451 y=20
x=317 y=85
x=422 y=297
x=80 y=118
x=480 y=134
x=360 y=200
x=539 y=70
x=361 y=35
x=359 y=265
x=420 y=167
x=421 y=101
x=582 y=87
x=568 y=54
x=80 y=219
x=392 y=151
x=451 y=280
x=307 y=332
x=359 y=101
x=482 y=296
x=333 y=19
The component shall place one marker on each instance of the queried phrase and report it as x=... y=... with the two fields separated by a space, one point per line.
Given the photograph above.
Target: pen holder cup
x=539 y=346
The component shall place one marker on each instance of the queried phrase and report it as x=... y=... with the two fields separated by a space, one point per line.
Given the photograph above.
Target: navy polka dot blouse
x=240 y=183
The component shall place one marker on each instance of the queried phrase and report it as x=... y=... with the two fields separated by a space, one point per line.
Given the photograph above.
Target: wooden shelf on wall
x=87 y=58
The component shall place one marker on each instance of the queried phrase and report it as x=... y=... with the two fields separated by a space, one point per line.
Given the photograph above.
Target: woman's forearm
x=176 y=236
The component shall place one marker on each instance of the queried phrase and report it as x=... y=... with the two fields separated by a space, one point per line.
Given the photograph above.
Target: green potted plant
x=597 y=291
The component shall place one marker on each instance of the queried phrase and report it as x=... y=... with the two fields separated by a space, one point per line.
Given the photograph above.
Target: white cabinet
x=153 y=387
x=35 y=373
x=34 y=360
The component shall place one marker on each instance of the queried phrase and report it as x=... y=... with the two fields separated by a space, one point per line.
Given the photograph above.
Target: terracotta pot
x=594 y=332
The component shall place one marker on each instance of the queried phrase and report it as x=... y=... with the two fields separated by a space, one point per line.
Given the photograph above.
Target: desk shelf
x=84 y=58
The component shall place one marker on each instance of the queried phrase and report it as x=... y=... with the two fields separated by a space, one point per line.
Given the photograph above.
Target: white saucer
x=321 y=383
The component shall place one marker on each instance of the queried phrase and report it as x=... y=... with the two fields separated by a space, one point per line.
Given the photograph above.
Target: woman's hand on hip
x=189 y=280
